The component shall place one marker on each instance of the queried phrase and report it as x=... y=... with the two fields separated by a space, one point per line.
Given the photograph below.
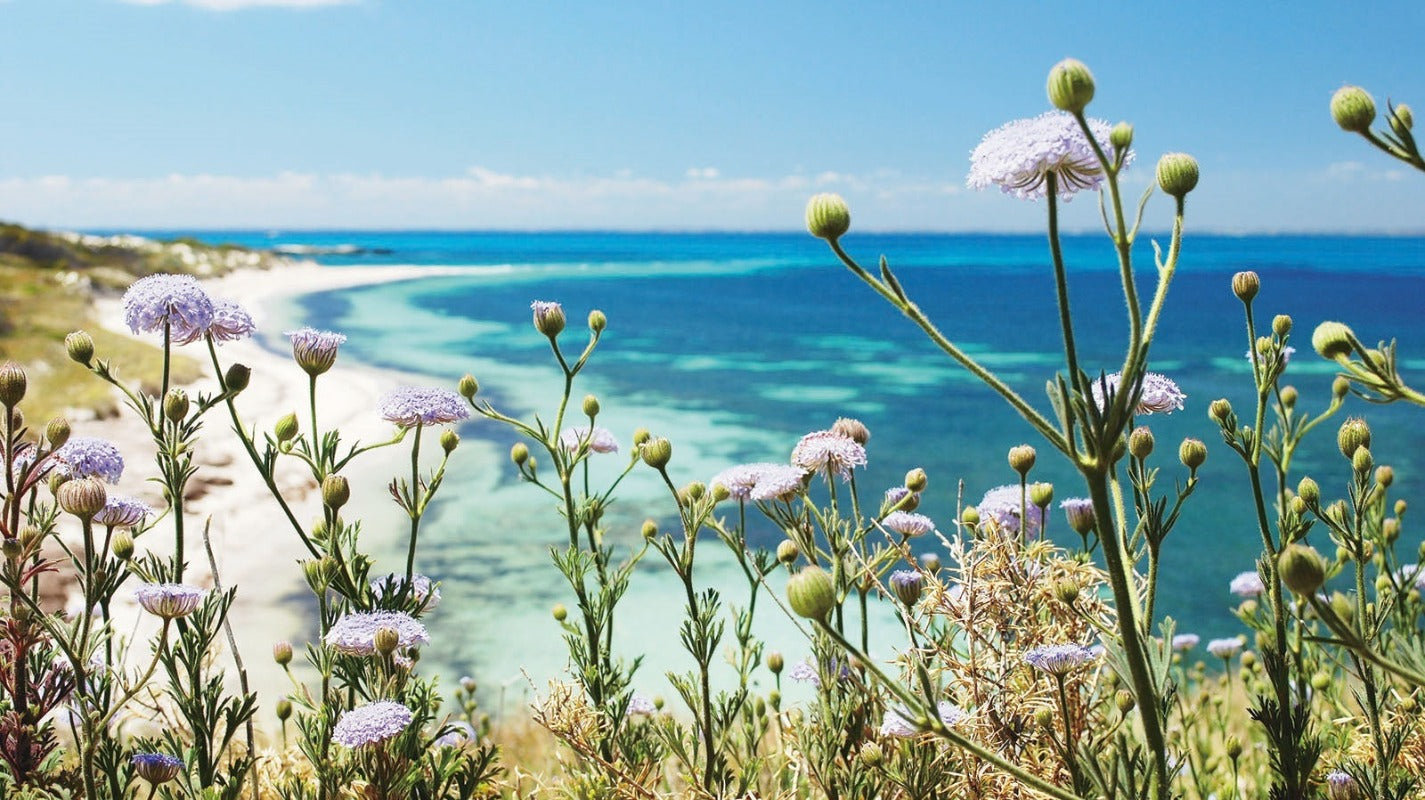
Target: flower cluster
x=1003 y=505
x=908 y=523
x=1160 y=393
x=1247 y=584
x=761 y=481
x=600 y=440
x=89 y=457
x=231 y=322
x=371 y=724
x=169 y=600
x=896 y=724
x=1225 y=648
x=409 y=406
x=355 y=634
x=175 y=302
x=830 y=452
x=1059 y=659
x=1020 y=156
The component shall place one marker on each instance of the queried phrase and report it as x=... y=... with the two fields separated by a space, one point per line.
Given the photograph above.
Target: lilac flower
x=88 y=457
x=896 y=723
x=896 y=496
x=371 y=724
x=1286 y=354
x=1002 y=504
x=805 y=672
x=422 y=589
x=548 y=317
x=156 y=768
x=600 y=440
x=1186 y=641
x=778 y=482
x=1340 y=786
x=1411 y=573
x=169 y=600
x=122 y=512
x=907 y=523
x=173 y=300
x=1019 y=156
x=1160 y=393
x=1225 y=648
x=409 y=406
x=461 y=733
x=1059 y=659
x=1247 y=584
x=231 y=322
x=355 y=633
x=1080 y=512
x=314 y=350
x=907 y=584
x=828 y=451
x=740 y=480
x=640 y=704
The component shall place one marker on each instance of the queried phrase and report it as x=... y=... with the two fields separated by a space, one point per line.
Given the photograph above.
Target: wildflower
x=174 y=301
x=829 y=451
x=1186 y=641
x=1286 y=354
x=1059 y=659
x=907 y=523
x=156 y=768
x=896 y=724
x=355 y=633
x=778 y=482
x=548 y=317
x=640 y=704
x=1080 y=512
x=1020 y=156
x=422 y=589
x=1002 y=504
x=1225 y=648
x=600 y=440
x=1160 y=393
x=1247 y=584
x=805 y=672
x=907 y=585
x=1340 y=786
x=901 y=498
x=122 y=512
x=314 y=350
x=231 y=322
x=460 y=732
x=1411 y=574
x=740 y=480
x=89 y=457
x=371 y=723
x=409 y=406
x=169 y=600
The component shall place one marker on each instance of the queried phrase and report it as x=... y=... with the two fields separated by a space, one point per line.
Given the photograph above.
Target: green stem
x=415 y=510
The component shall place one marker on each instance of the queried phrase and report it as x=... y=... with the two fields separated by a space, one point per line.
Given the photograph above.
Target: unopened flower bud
x=907 y=585
x=640 y=436
x=12 y=549
x=82 y=497
x=788 y=552
x=284 y=709
x=720 y=492
x=1333 y=340
x=1044 y=717
x=1353 y=434
x=449 y=440
x=560 y=612
x=775 y=662
x=1021 y=459
x=597 y=321
x=386 y=640
x=1177 y=174
x=916 y=480
x=1220 y=410
x=12 y=384
x=286 y=428
x=124 y=545
x=1308 y=490
x=519 y=453
x=1353 y=109
x=1123 y=699
x=1342 y=607
x=1067 y=591
x=175 y=405
x=57 y=432
x=930 y=562
x=811 y=593
x=657 y=452
x=1140 y=443
x=468 y=387
x=1233 y=747
x=1041 y=494
x=335 y=491
x=1385 y=476
x=1121 y=136
x=282 y=653
x=871 y=755
x=852 y=429
x=80 y=347
x=828 y=216
x=970 y=517
x=1192 y=453
x=1302 y=569
x=1070 y=86
x=1281 y=325
x=591 y=406
x=1289 y=396
x=1245 y=285
x=1361 y=462
x=548 y=317
x=650 y=529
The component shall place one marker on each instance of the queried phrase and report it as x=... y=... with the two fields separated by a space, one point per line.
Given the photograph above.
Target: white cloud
x=234 y=5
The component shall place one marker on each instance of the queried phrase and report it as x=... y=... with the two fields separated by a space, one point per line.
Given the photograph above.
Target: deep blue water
x=734 y=345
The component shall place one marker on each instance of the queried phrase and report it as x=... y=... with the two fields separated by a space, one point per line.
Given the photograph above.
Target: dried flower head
x=1019 y=156
x=422 y=589
x=175 y=301
x=1247 y=584
x=830 y=452
x=169 y=600
x=907 y=523
x=355 y=634
x=409 y=406
x=89 y=457
x=314 y=350
x=1059 y=659
x=371 y=724
x=1160 y=393
x=896 y=722
x=1003 y=505
x=156 y=768
x=231 y=322
x=122 y=512
x=600 y=440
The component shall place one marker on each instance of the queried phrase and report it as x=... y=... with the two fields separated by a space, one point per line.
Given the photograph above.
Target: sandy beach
x=254 y=545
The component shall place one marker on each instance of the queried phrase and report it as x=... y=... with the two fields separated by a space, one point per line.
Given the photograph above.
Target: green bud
x=548 y=318
x=1192 y=453
x=1123 y=699
x=1281 y=325
x=1044 y=717
x=1021 y=459
x=57 y=432
x=591 y=406
x=695 y=491
x=1333 y=340
x=1041 y=494
x=788 y=552
x=80 y=347
x=1140 y=443
x=1121 y=137
x=775 y=662
x=1353 y=434
x=657 y=452
x=1353 y=109
x=519 y=453
x=650 y=529
x=871 y=755
x=1067 y=591
x=124 y=545
x=1220 y=410
x=335 y=491
x=720 y=492
x=1288 y=396
x=1070 y=86
x=1245 y=285
x=12 y=549
x=1177 y=174
x=286 y=428
x=970 y=517
x=811 y=593
x=597 y=321
x=1233 y=747
x=282 y=653
x=386 y=640
x=1308 y=490
x=916 y=480
x=82 y=497
x=12 y=384
x=284 y=709
x=930 y=562
x=1301 y=569
x=1361 y=462
x=468 y=387
x=1390 y=529
x=828 y=216
x=449 y=440
x=175 y=405
x=641 y=435
x=237 y=378
x=1340 y=385
x=560 y=612
x=1385 y=476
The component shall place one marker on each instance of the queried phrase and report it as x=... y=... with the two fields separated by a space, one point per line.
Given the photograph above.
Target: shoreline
x=253 y=544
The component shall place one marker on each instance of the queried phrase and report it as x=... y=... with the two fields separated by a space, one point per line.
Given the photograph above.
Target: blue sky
x=658 y=115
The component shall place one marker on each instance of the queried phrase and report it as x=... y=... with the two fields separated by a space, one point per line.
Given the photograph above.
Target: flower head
x=156 y=768
x=740 y=479
x=897 y=724
x=1340 y=786
x=548 y=317
x=829 y=451
x=89 y=457
x=422 y=590
x=778 y=482
x=599 y=438
x=640 y=704
x=355 y=634
x=175 y=301
x=371 y=723
x=169 y=600
x=1080 y=512
x=1247 y=584
x=1186 y=641
x=1002 y=504
x=1411 y=574
x=231 y=322
x=1160 y=393
x=122 y=512
x=1225 y=648
x=907 y=584
x=460 y=733
x=908 y=523
x=1059 y=659
x=1019 y=156
x=409 y=406
x=314 y=350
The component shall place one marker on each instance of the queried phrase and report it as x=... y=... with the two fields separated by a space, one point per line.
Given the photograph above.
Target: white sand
x=256 y=548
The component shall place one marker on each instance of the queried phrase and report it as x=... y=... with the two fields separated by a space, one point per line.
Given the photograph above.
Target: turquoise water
x=734 y=345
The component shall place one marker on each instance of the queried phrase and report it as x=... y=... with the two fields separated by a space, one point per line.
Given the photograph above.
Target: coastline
x=252 y=541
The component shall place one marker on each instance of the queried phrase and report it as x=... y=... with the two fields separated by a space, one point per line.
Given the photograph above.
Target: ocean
x=735 y=345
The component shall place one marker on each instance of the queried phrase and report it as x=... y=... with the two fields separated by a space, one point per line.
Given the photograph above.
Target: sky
x=631 y=115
